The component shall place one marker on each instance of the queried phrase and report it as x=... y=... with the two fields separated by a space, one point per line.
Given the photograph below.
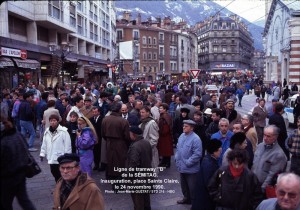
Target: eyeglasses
x=68 y=168
x=290 y=195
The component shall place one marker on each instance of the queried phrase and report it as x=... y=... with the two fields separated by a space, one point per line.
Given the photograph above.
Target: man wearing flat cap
x=139 y=156
x=187 y=158
x=87 y=109
x=75 y=190
x=230 y=113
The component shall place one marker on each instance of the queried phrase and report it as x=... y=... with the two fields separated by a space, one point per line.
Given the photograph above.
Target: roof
x=292 y=5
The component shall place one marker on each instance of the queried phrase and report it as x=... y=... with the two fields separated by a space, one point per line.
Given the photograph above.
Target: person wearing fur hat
x=209 y=166
x=56 y=142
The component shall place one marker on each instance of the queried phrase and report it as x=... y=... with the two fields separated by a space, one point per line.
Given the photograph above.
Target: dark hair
x=212 y=96
x=217 y=111
x=45 y=95
x=115 y=107
x=183 y=99
x=54 y=116
x=146 y=108
x=237 y=138
x=165 y=106
x=67 y=100
x=77 y=99
x=50 y=103
x=74 y=113
x=97 y=107
x=240 y=155
x=279 y=107
x=213 y=145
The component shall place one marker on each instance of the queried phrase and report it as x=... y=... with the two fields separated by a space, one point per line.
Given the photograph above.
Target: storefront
x=16 y=68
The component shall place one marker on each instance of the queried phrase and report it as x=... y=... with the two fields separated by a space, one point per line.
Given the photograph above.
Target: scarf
x=144 y=122
x=236 y=172
x=249 y=126
x=65 y=190
x=52 y=130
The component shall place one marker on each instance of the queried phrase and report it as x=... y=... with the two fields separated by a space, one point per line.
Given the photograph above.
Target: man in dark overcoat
x=115 y=131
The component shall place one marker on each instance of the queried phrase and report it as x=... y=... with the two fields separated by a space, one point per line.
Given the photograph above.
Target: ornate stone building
x=224 y=44
x=282 y=42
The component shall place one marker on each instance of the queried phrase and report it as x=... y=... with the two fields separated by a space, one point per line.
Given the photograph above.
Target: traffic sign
x=195 y=72
x=195 y=80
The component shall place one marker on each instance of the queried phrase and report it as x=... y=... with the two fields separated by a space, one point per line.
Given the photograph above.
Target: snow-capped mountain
x=190 y=10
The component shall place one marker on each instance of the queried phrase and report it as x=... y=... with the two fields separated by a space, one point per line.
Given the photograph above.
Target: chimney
x=158 y=22
x=139 y=19
x=127 y=16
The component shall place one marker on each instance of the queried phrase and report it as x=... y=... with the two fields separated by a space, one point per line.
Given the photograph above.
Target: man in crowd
x=137 y=106
x=75 y=190
x=269 y=159
x=224 y=135
x=287 y=194
x=213 y=127
x=259 y=118
x=132 y=119
x=187 y=158
x=130 y=103
x=247 y=122
x=26 y=117
x=96 y=120
x=230 y=113
x=139 y=156
x=293 y=143
x=78 y=100
x=86 y=110
x=59 y=105
x=115 y=131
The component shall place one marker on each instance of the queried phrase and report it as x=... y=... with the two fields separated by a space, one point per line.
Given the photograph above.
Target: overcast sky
x=252 y=10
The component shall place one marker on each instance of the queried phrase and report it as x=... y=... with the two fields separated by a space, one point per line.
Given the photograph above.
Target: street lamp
x=65 y=49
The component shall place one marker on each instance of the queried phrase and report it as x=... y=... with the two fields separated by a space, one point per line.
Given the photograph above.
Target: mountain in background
x=190 y=11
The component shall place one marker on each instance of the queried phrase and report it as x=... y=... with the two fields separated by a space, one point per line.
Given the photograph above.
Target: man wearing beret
x=75 y=190
x=187 y=158
x=139 y=156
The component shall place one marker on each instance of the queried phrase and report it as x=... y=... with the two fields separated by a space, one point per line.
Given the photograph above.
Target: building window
x=149 y=56
x=149 y=40
x=154 y=56
x=17 y=26
x=215 y=48
x=144 y=56
x=72 y=15
x=119 y=35
x=223 y=49
x=144 y=40
x=136 y=35
x=232 y=25
x=55 y=9
x=79 y=6
x=161 y=37
x=42 y=34
x=161 y=66
x=154 y=41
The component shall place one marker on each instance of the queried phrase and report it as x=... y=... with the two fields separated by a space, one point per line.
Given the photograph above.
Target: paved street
x=40 y=187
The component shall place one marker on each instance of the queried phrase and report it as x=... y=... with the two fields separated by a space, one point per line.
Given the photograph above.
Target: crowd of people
x=225 y=160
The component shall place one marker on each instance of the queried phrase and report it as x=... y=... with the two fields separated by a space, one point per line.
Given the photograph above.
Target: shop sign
x=13 y=52
x=225 y=65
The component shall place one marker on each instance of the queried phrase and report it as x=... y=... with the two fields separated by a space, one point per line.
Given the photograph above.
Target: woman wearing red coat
x=165 y=141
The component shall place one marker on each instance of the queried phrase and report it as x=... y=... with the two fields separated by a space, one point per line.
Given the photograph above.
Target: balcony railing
x=173 y=57
x=161 y=41
x=161 y=57
x=173 y=42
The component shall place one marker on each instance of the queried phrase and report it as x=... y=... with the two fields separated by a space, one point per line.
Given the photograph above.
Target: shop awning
x=5 y=62
x=73 y=60
x=27 y=63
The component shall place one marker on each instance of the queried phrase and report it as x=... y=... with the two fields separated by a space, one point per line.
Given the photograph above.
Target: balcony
x=173 y=57
x=161 y=41
x=173 y=43
x=136 y=38
x=161 y=57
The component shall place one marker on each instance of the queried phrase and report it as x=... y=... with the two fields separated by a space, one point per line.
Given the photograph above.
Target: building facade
x=79 y=33
x=224 y=45
x=281 y=42
x=160 y=50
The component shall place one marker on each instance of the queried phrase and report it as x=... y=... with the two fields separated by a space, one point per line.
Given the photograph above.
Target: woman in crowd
x=85 y=141
x=72 y=128
x=234 y=186
x=165 y=141
x=209 y=166
x=56 y=142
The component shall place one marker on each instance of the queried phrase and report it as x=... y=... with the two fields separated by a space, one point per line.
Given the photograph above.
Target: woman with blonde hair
x=85 y=141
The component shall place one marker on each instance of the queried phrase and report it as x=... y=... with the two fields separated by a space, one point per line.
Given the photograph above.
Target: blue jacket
x=188 y=154
x=225 y=142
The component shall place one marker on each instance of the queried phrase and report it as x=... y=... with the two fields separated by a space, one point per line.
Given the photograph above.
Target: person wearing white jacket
x=56 y=142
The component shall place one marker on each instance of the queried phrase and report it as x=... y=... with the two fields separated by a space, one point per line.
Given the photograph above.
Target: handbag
x=32 y=167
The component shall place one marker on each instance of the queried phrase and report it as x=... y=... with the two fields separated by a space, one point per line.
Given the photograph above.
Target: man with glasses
x=76 y=190
x=269 y=159
x=287 y=194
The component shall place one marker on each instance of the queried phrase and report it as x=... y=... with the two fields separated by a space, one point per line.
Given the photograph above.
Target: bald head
x=288 y=191
x=124 y=109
